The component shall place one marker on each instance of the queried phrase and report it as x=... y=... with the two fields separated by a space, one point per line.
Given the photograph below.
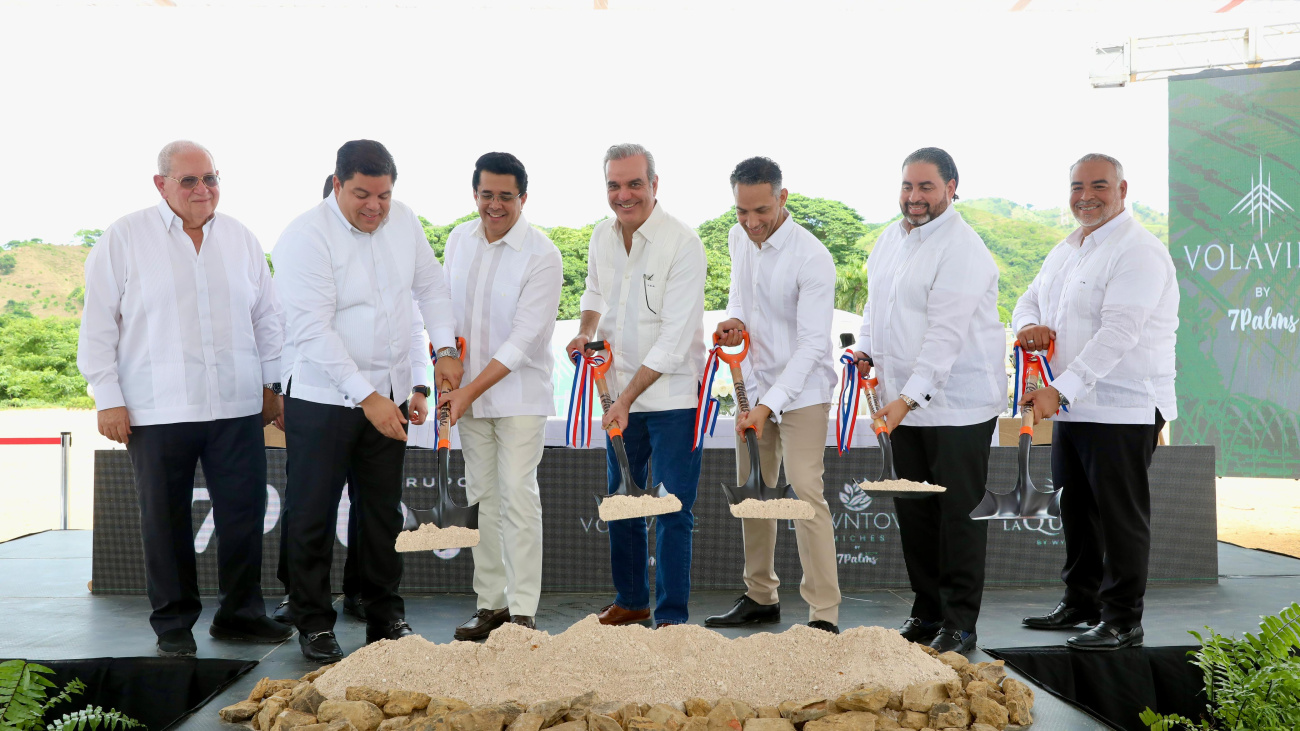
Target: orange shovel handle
x=733 y=359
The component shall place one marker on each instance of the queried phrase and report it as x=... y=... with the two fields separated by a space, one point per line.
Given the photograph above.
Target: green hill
x=42 y=280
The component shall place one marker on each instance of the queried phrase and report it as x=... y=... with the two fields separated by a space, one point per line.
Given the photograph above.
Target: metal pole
x=65 y=440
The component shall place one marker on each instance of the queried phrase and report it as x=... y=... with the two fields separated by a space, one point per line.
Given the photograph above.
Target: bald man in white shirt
x=1107 y=296
x=180 y=342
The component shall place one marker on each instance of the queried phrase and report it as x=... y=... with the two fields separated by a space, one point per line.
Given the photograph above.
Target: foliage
x=1250 y=683
x=14 y=244
x=38 y=363
x=24 y=701
x=851 y=287
x=270 y=264
x=437 y=235
x=834 y=224
x=717 y=253
x=572 y=243
x=89 y=236
x=7 y=263
x=1018 y=245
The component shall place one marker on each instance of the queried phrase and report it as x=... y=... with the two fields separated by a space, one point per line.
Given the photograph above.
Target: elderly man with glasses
x=180 y=341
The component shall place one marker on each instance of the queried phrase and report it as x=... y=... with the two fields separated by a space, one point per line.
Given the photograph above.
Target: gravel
x=636 y=664
x=430 y=537
x=621 y=507
x=783 y=508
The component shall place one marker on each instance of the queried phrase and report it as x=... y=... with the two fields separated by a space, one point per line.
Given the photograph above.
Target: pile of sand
x=782 y=508
x=899 y=486
x=430 y=537
x=621 y=507
x=636 y=664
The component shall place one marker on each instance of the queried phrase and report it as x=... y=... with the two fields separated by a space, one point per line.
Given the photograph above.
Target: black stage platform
x=49 y=614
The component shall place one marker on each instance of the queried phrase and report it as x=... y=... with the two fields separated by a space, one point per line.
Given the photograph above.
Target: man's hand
x=1035 y=337
x=385 y=415
x=279 y=419
x=271 y=407
x=419 y=408
x=756 y=418
x=115 y=424
x=450 y=370
x=616 y=416
x=459 y=401
x=577 y=345
x=1044 y=401
x=864 y=360
x=893 y=413
x=729 y=332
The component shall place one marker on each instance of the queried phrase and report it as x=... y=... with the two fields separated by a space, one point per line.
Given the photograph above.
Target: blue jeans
x=662 y=439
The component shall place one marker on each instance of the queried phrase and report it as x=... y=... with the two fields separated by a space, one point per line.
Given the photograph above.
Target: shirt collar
x=783 y=232
x=651 y=226
x=926 y=230
x=332 y=201
x=1099 y=236
x=514 y=237
x=169 y=217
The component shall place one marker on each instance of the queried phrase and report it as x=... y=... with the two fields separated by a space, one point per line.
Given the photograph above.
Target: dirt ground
x=1260 y=513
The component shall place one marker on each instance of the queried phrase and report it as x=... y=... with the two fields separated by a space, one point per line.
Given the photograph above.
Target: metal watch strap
x=272 y=387
x=1062 y=400
x=912 y=405
x=447 y=352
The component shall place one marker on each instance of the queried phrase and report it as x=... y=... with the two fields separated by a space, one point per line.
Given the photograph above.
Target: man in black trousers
x=348 y=269
x=1107 y=296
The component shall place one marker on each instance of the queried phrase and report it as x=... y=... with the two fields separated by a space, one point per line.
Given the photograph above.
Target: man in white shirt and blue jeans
x=180 y=342
x=931 y=326
x=783 y=294
x=348 y=269
x=505 y=278
x=645 y=297
x=1107 y=296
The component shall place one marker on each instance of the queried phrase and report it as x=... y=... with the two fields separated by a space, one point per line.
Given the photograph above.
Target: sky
x=838 y=93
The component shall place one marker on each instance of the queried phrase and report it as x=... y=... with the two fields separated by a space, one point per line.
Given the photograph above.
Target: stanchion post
x=65 y=441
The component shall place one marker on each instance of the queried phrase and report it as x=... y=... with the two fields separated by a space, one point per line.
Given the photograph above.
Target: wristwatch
x=1063 y=400
x=422 y=390
x=272 y=387
x=912 y=405
x=447 y=352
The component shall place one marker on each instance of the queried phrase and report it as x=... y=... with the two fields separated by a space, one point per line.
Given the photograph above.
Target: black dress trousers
x=943 y=548
x=233 y=455
x=351 y=567
x=1105 y=513
x=326 y=444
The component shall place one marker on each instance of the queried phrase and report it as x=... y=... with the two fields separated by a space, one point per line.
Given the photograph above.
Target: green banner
x=1234 y=233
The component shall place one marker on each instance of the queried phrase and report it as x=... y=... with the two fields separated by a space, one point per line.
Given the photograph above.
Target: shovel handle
x=1027 y=420
x=733 y=359
x=606 y=402
x=737 y=380
x=444 y=417
x=873 y=402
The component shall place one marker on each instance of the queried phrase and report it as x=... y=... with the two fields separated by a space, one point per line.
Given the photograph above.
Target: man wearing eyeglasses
x=180 y=342
x=505 y=279
x=348 y=269
x=645 y=296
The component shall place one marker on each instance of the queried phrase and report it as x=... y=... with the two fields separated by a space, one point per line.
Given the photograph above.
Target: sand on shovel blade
x=901 y=486
x=430 y=537
x=622 y=507
x=781 y=509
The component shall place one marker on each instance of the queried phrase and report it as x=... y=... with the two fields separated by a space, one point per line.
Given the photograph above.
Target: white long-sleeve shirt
x=347 y=295
x=505 y=295
x=931 y=322
x=174 y=335
x=784 y=292
x=1112 y=298
x=651 y=302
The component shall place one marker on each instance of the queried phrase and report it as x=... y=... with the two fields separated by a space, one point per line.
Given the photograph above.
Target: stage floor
x=48 y=613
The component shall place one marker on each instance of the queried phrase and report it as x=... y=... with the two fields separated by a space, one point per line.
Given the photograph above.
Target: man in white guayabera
x=1107 y=296
x=180 y=342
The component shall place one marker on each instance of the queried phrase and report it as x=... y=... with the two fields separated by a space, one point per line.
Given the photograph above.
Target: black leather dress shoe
x=524 y=620
x=320 y=647
x=352 y=605
x=282 y=613
x=262 y=629
x=482 y=623
x=824 y=626
x=392 y=631
x=176 y=643
x=1106 y=636
x=953 y=640
x=746 y=611
x=1063 y=617
x=919 y=631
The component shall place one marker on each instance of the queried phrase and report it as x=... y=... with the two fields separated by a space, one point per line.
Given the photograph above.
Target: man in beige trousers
x=783 y=294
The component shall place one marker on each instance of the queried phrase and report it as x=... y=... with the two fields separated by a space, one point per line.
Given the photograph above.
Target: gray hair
x=1095 y=156
x=172 y=149
x=630 y=149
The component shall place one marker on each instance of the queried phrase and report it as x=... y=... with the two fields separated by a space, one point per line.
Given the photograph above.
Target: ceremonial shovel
x=878 y=425
x=445 y=512
x=755 y=488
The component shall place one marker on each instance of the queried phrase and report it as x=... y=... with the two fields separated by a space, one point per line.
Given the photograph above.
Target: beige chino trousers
x=799 y=442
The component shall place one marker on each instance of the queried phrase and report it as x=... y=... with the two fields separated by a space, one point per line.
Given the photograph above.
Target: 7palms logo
x=1260 y=200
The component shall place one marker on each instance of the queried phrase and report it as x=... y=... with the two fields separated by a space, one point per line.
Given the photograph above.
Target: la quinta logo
x=1260 y=200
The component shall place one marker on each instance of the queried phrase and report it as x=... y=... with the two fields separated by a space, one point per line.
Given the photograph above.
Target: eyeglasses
x=189 y=181
x=504 y=198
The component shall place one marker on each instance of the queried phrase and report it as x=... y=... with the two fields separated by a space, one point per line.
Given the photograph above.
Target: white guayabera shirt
x=931 y=322
x=174 y=335
x=784 y=292
x=347 y=300
x=651 y=303
x=1112 y=298
x=505 y=295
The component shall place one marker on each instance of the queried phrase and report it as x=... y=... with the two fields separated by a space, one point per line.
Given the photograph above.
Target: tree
x=437 y=235
x=836 y=225
x=572 y=243
x=89 y=236
x=717 y=254
x=7 y=263
x=38 y=362
x=851 y=287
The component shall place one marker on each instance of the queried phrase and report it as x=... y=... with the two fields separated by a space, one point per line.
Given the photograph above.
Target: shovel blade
x=995 y=506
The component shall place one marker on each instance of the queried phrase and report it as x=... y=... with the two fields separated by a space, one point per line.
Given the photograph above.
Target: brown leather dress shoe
x=482 y=623
x=523 y=620
x=614 y=614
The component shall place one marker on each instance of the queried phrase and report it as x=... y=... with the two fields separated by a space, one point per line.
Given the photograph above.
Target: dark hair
x=757 y=170
x=940 y=159
x=366 y=157
x=329 y=186
x=501 y=163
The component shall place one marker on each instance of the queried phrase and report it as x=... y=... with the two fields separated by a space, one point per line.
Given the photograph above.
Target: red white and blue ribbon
x=577 y=432
x=1026 y=365
x=707 y=406
x=850 y=395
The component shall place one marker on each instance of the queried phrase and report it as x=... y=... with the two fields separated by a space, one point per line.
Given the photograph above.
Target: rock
x=723 y=717
x=527 y=722
x=895 y=701
x=445 y=705
x=991 y=672
x=378 y=698
x=885 y=723
x=601 y=722
x=313 y=675
x=571 y=726
x=437 y=722
x=802 y=711
x=283 y=693
x=929 y=650
x=667 y=716
x=551 y=711
x=982 y=727
x=394 y=723
x=259 y=690
x=1018 y=712
x=306 y=698
x=921 y=697
x=290 y=718
x=762 y=723
x=953 y=660
x=847 y=721
x=988 y=711
x=948 y=715
x=271 y=707
x=979 y=687
x=509 y=710
x=313 y=727
x=628 y=711
x=364 y=715
x=641 y=723
x=954 y=689
x=696 y=723
x=864 y=699
x=480 y=719
x=606 y=708
x=585 y=701
x=913 y=719
x=1015 y=689
x=744 y=711
x=698 y=707
x=404 y=702
x=768 y=712
x=239 y=712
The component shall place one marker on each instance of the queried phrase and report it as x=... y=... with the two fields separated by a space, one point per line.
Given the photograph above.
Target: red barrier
x=30 y=440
